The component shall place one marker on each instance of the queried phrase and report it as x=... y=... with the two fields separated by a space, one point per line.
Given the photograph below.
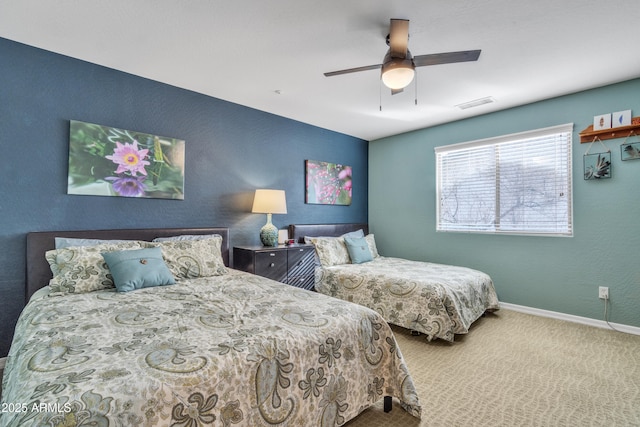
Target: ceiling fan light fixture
x=397 y=73
x=398 y=66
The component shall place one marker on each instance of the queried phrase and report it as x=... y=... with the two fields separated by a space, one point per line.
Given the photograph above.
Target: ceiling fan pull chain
x=416 y=89
x=380 y=93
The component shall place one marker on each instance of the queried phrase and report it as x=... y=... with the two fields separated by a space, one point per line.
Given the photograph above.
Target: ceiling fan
x=398 y=66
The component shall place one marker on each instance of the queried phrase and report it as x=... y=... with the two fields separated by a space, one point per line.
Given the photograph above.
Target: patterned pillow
x=316 y=258
x=331 y=250
x=372 y=245
x=356 y=233
x=186 y=237
x=193 y=258
x=80 y=269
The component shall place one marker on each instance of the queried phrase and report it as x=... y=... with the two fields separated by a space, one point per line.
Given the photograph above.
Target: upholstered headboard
x=39 y=273
x=298 y=231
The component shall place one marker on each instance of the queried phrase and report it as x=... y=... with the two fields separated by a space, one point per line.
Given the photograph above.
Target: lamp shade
x=269 y=202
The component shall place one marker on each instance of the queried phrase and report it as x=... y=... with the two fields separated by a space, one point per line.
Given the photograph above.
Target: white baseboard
x=571 y=318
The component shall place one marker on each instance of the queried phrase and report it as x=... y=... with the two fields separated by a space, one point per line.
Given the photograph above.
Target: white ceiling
x=271 y=55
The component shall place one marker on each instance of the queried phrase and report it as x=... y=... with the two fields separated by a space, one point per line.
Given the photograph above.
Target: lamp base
x=269 y=233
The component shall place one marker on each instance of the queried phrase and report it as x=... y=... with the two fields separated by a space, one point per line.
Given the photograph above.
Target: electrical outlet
x=603 y=292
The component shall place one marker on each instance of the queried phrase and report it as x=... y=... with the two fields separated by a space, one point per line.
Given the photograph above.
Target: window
x=512 y=184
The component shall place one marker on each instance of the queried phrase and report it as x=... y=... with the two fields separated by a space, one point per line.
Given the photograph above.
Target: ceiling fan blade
x=353 y=70
x=396 y=91
x=446 y=57
x=398 y=37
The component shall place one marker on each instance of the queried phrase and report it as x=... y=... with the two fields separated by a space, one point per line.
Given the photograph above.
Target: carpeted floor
x=515 y=369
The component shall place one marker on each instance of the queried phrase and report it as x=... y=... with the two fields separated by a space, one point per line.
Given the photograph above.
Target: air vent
x=476 y=103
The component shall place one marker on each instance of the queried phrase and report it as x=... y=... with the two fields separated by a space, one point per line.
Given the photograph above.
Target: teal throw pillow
x=358 y=249
x=137 y=269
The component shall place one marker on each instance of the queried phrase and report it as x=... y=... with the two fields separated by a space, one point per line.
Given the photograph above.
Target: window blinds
x=519 y=184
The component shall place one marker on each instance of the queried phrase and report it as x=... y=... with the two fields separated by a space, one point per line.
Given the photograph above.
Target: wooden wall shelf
x=588 y=134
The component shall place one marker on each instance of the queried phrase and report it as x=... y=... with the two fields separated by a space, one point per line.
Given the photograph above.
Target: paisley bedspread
x=227 y=350
x=435 y=299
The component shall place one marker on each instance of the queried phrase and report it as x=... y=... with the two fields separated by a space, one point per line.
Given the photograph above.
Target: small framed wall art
x=621 y=118
x=597 y=166
x=107 y=161
x=327 y=183
x=603 y=121
x=630 y=151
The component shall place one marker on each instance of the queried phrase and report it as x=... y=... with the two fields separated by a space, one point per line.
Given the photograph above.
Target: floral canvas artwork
x=328 y=183
x=107 y=161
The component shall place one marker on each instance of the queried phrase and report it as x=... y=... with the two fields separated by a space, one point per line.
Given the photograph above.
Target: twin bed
x=218 y=347
x=437 y=300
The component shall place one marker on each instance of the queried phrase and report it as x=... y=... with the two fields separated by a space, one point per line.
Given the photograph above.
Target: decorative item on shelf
x=621 y=118
x=630 y=150
x=269 y=202
x=603 y=121
x=597 y=165
x=587 y=134
x=283 y=236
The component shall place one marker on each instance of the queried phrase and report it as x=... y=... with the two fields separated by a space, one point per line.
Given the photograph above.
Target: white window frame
x=563 y=169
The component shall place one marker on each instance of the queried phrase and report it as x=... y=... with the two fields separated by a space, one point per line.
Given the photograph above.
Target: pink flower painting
x=328 y=183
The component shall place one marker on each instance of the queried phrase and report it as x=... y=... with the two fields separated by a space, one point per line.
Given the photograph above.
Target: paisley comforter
x=227 y=350
x=435 y=299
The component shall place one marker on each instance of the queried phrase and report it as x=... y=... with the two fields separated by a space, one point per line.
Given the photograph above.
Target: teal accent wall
x=560 y=274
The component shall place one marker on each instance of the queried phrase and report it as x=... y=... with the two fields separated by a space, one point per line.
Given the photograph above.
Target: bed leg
x=387 y=403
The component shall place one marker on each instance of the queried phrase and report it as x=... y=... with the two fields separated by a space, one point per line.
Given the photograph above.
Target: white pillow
x=67 y=242
x=372 y=245
x=186 y=237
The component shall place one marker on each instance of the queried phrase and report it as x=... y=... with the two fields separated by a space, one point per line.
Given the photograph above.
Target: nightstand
x=293 y=265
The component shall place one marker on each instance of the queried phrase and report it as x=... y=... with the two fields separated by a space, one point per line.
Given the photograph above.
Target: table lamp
x=269 y=202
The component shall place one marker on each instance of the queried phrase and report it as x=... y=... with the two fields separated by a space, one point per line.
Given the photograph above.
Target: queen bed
x=437 y=300
x=218 y=347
